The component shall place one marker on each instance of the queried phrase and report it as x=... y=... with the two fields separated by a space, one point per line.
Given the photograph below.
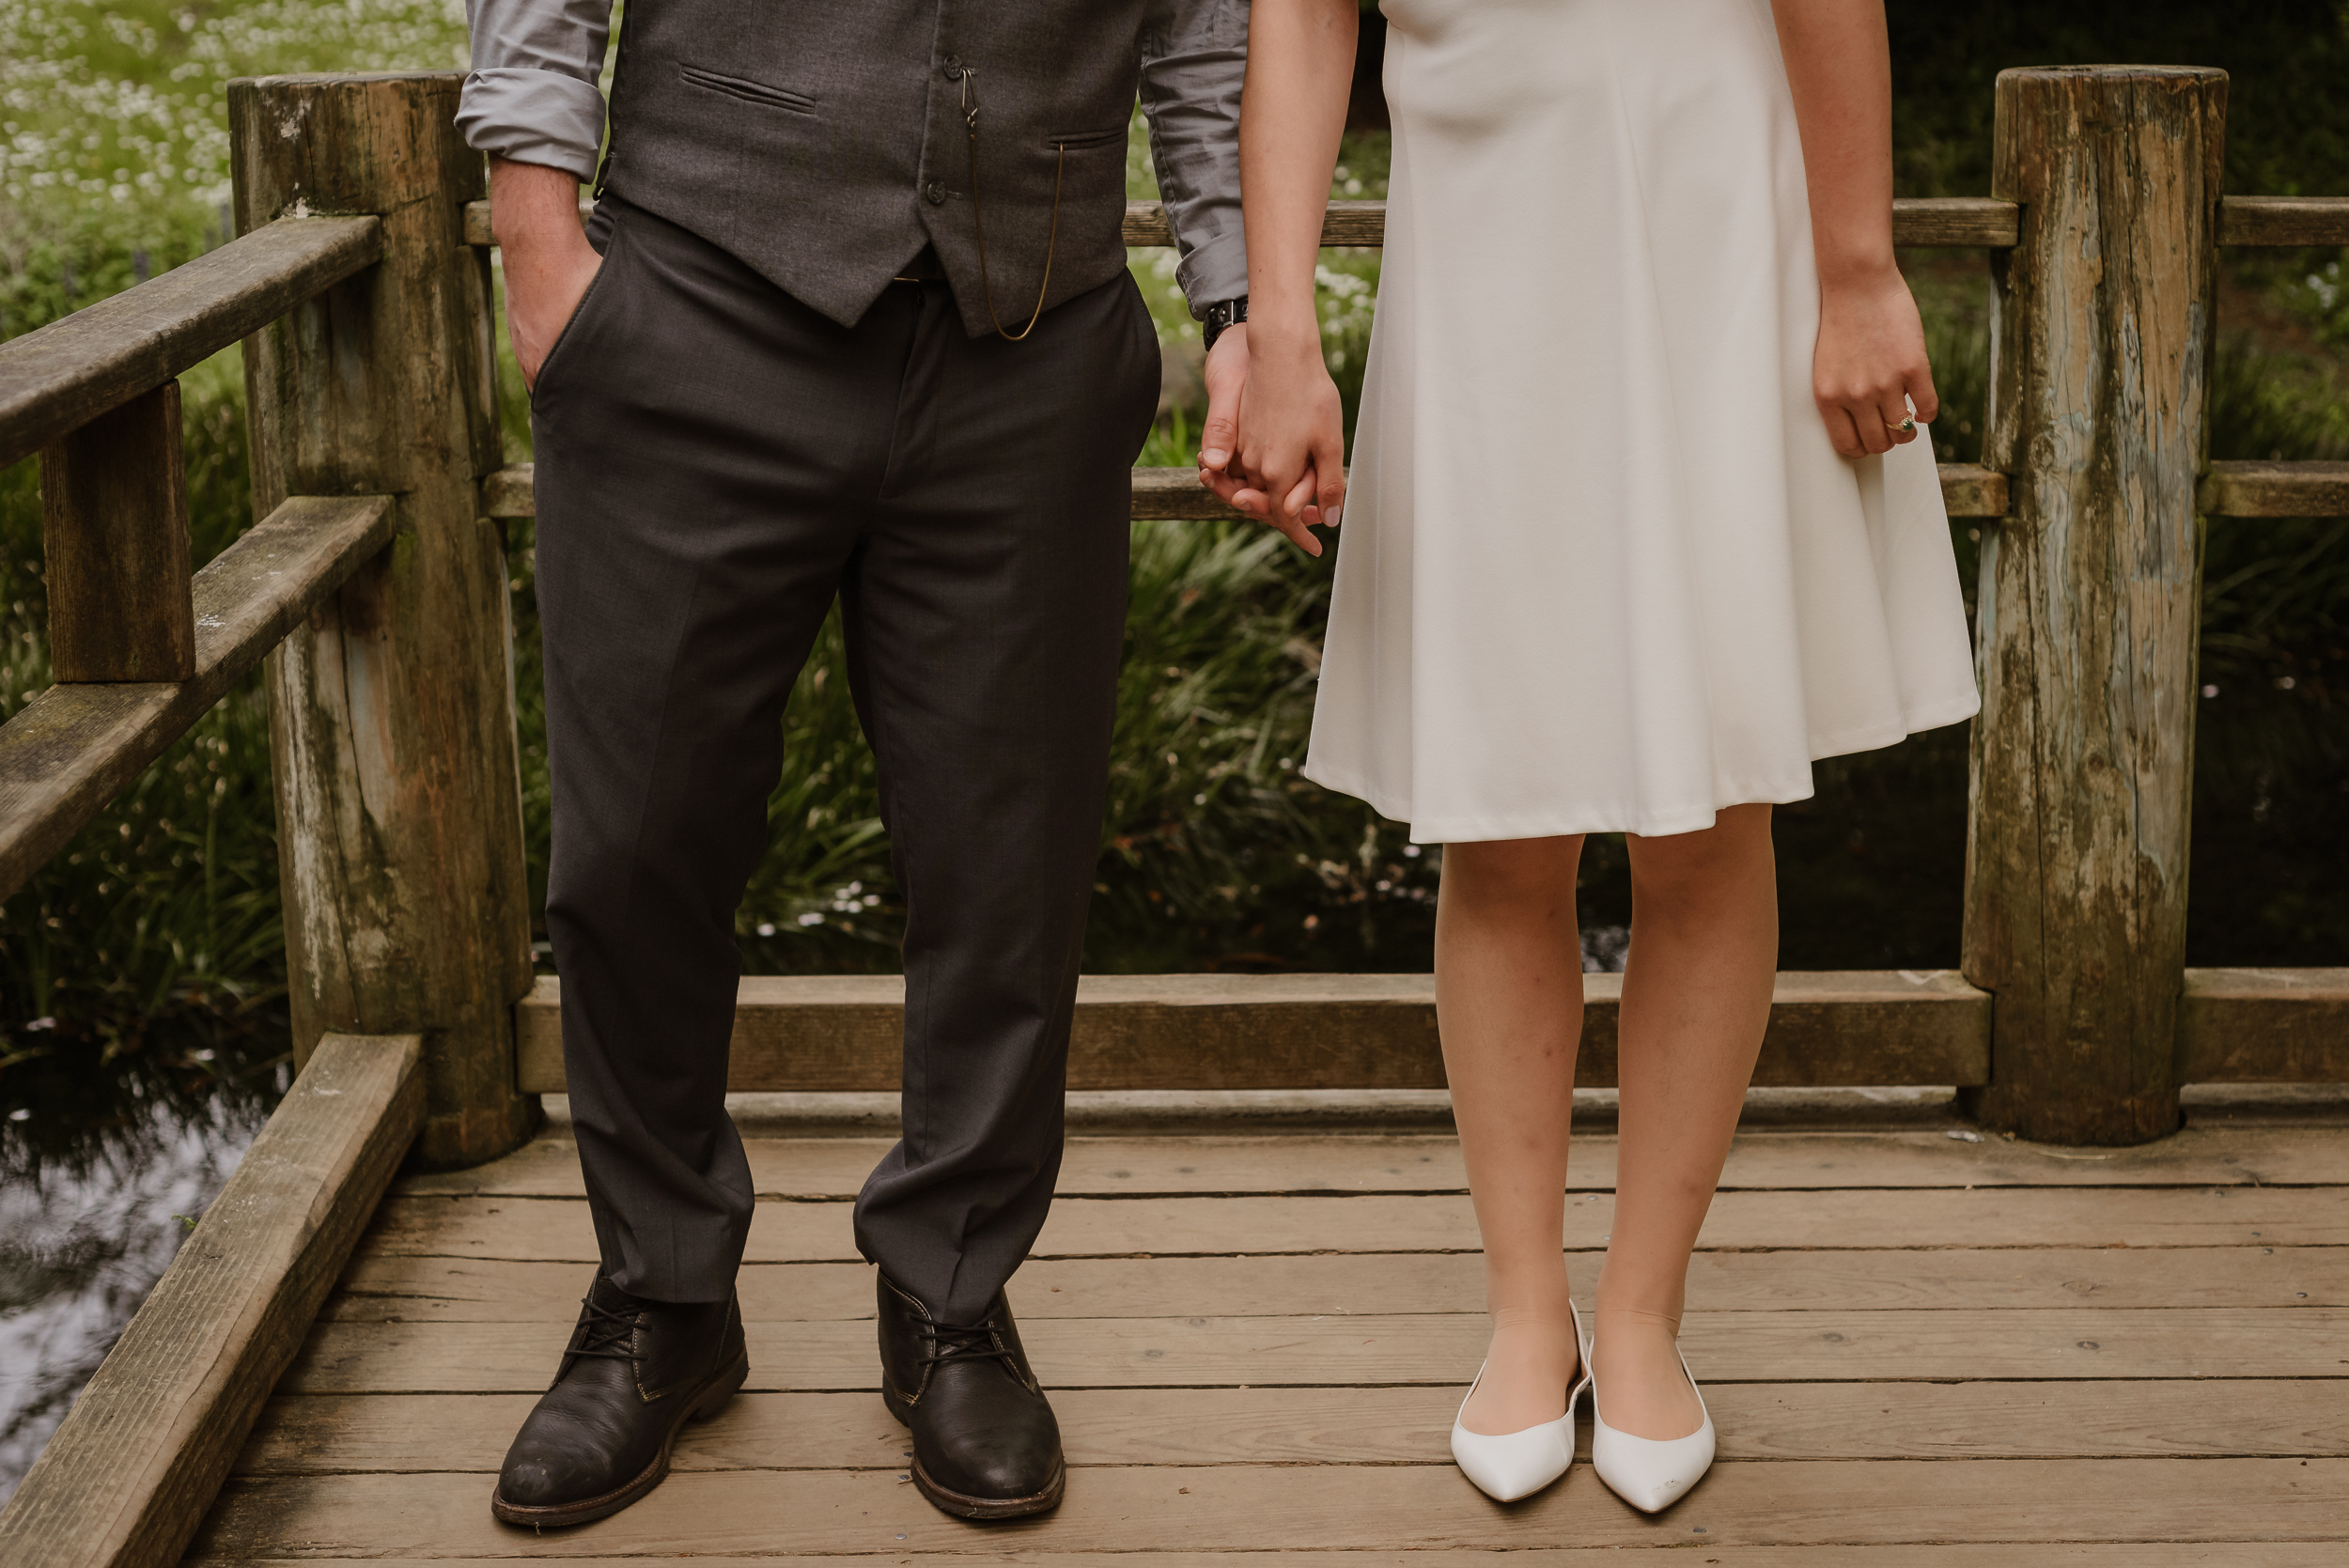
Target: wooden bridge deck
x=1918 y=1351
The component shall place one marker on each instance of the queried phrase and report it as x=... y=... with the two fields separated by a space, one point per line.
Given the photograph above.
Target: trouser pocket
x=560 y=352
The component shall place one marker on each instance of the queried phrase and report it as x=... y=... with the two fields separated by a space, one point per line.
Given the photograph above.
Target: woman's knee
x=1675 y=867
x=1511 y=871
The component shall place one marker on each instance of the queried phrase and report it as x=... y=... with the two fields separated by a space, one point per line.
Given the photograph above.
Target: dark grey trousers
x=715 y=462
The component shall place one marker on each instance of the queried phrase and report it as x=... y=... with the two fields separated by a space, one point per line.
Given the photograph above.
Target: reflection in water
x=80 y=1247
x=107 y=1156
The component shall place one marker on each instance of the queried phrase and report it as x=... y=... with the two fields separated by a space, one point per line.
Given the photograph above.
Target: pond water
x=105 y=1163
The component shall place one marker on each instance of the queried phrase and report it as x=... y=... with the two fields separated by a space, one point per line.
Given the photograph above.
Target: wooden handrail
x=1921 y=224
x=2283 y=220
x=65 y=754
x=57 y=378
x=1174 y=494
x=2229 y=489
x=1925 y=223
x=2265 y=1026
x=128 y=1475
x=2268 y=489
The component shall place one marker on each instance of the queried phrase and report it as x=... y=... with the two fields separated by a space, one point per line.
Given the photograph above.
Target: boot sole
x=713 y=1397
x=963 y=1506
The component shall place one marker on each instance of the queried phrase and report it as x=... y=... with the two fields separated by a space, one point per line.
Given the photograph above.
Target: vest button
x=936 y=191
x=954 y=68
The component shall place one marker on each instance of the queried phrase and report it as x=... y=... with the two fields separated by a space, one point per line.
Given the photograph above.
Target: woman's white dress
x=1600 y=569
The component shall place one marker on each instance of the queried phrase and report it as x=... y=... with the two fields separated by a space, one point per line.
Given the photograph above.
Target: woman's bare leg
x=1509 y=1000
x=1696 y=998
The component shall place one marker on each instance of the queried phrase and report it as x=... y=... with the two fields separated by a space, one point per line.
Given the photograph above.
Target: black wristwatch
x=1222 y=314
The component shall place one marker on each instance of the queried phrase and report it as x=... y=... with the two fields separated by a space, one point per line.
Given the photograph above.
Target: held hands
x=1869 y=364
x=548 y=261
x=1274 y=444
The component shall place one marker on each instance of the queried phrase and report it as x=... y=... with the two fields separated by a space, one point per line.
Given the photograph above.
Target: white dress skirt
x=1600 y=569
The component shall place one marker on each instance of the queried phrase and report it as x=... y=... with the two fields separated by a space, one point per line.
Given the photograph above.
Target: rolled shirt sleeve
x=533 y=94
x=1194 y=60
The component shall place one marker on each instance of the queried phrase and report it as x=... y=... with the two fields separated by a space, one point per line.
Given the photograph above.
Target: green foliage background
x=153 y=945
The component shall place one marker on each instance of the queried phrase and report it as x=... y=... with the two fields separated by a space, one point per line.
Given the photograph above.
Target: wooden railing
x=375 y=591
x=2080 y=1021
x=374 y=585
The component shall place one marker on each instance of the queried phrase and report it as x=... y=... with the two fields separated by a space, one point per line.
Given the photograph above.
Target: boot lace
x=606 y=1332
x=965 y=1342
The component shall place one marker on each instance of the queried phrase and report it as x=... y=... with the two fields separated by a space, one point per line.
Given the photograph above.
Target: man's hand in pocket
x=548 y=262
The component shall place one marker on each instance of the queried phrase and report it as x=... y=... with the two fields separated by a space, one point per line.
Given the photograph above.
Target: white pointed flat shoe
x=1650 y=1474
x=1512 y=1464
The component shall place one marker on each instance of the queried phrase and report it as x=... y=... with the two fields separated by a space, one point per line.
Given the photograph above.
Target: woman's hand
x=1290 y=464
x=1869 y=370
x=547 y=260
x=1287 y=465
x=1870 y=363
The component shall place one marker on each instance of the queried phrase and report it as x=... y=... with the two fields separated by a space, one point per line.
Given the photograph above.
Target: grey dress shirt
x=532 y=97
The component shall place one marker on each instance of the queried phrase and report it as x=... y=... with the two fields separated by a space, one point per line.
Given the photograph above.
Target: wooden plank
x=393 y=1288
x=60 y=376
x=510 y=492
x=114 y=527
x=1967 y=490
x=1305 y=1031
x=548 y=1230
x=2089 y=603
x=391 y=738
x=1971 y=490
x=1918 y=223
x=1442 y=1349
x=479 y=227
x=1174 y=494
x=330 y=1434
x=1962 y=221
x=1157 y=1165
x=2038 y=1554
x=2265 y=1026
x=66 y=753
x=131 y=1470
x=1385 y=1509
x=1343 y=222
x=2273 y=490
x=1954 y=221
x=2292 y=221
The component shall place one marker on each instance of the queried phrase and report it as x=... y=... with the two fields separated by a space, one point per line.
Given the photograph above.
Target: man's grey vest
x=824 y=142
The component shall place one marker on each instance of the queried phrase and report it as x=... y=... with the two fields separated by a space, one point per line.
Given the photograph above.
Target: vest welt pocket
x=1077 y=141
x=749 y=92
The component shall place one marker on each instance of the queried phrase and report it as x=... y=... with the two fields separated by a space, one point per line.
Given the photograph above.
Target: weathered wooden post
x=391 y=723
x=2101 y=342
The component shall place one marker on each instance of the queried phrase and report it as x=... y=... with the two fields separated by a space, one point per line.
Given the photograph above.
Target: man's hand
x=1227 y=378
x=534 y=212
